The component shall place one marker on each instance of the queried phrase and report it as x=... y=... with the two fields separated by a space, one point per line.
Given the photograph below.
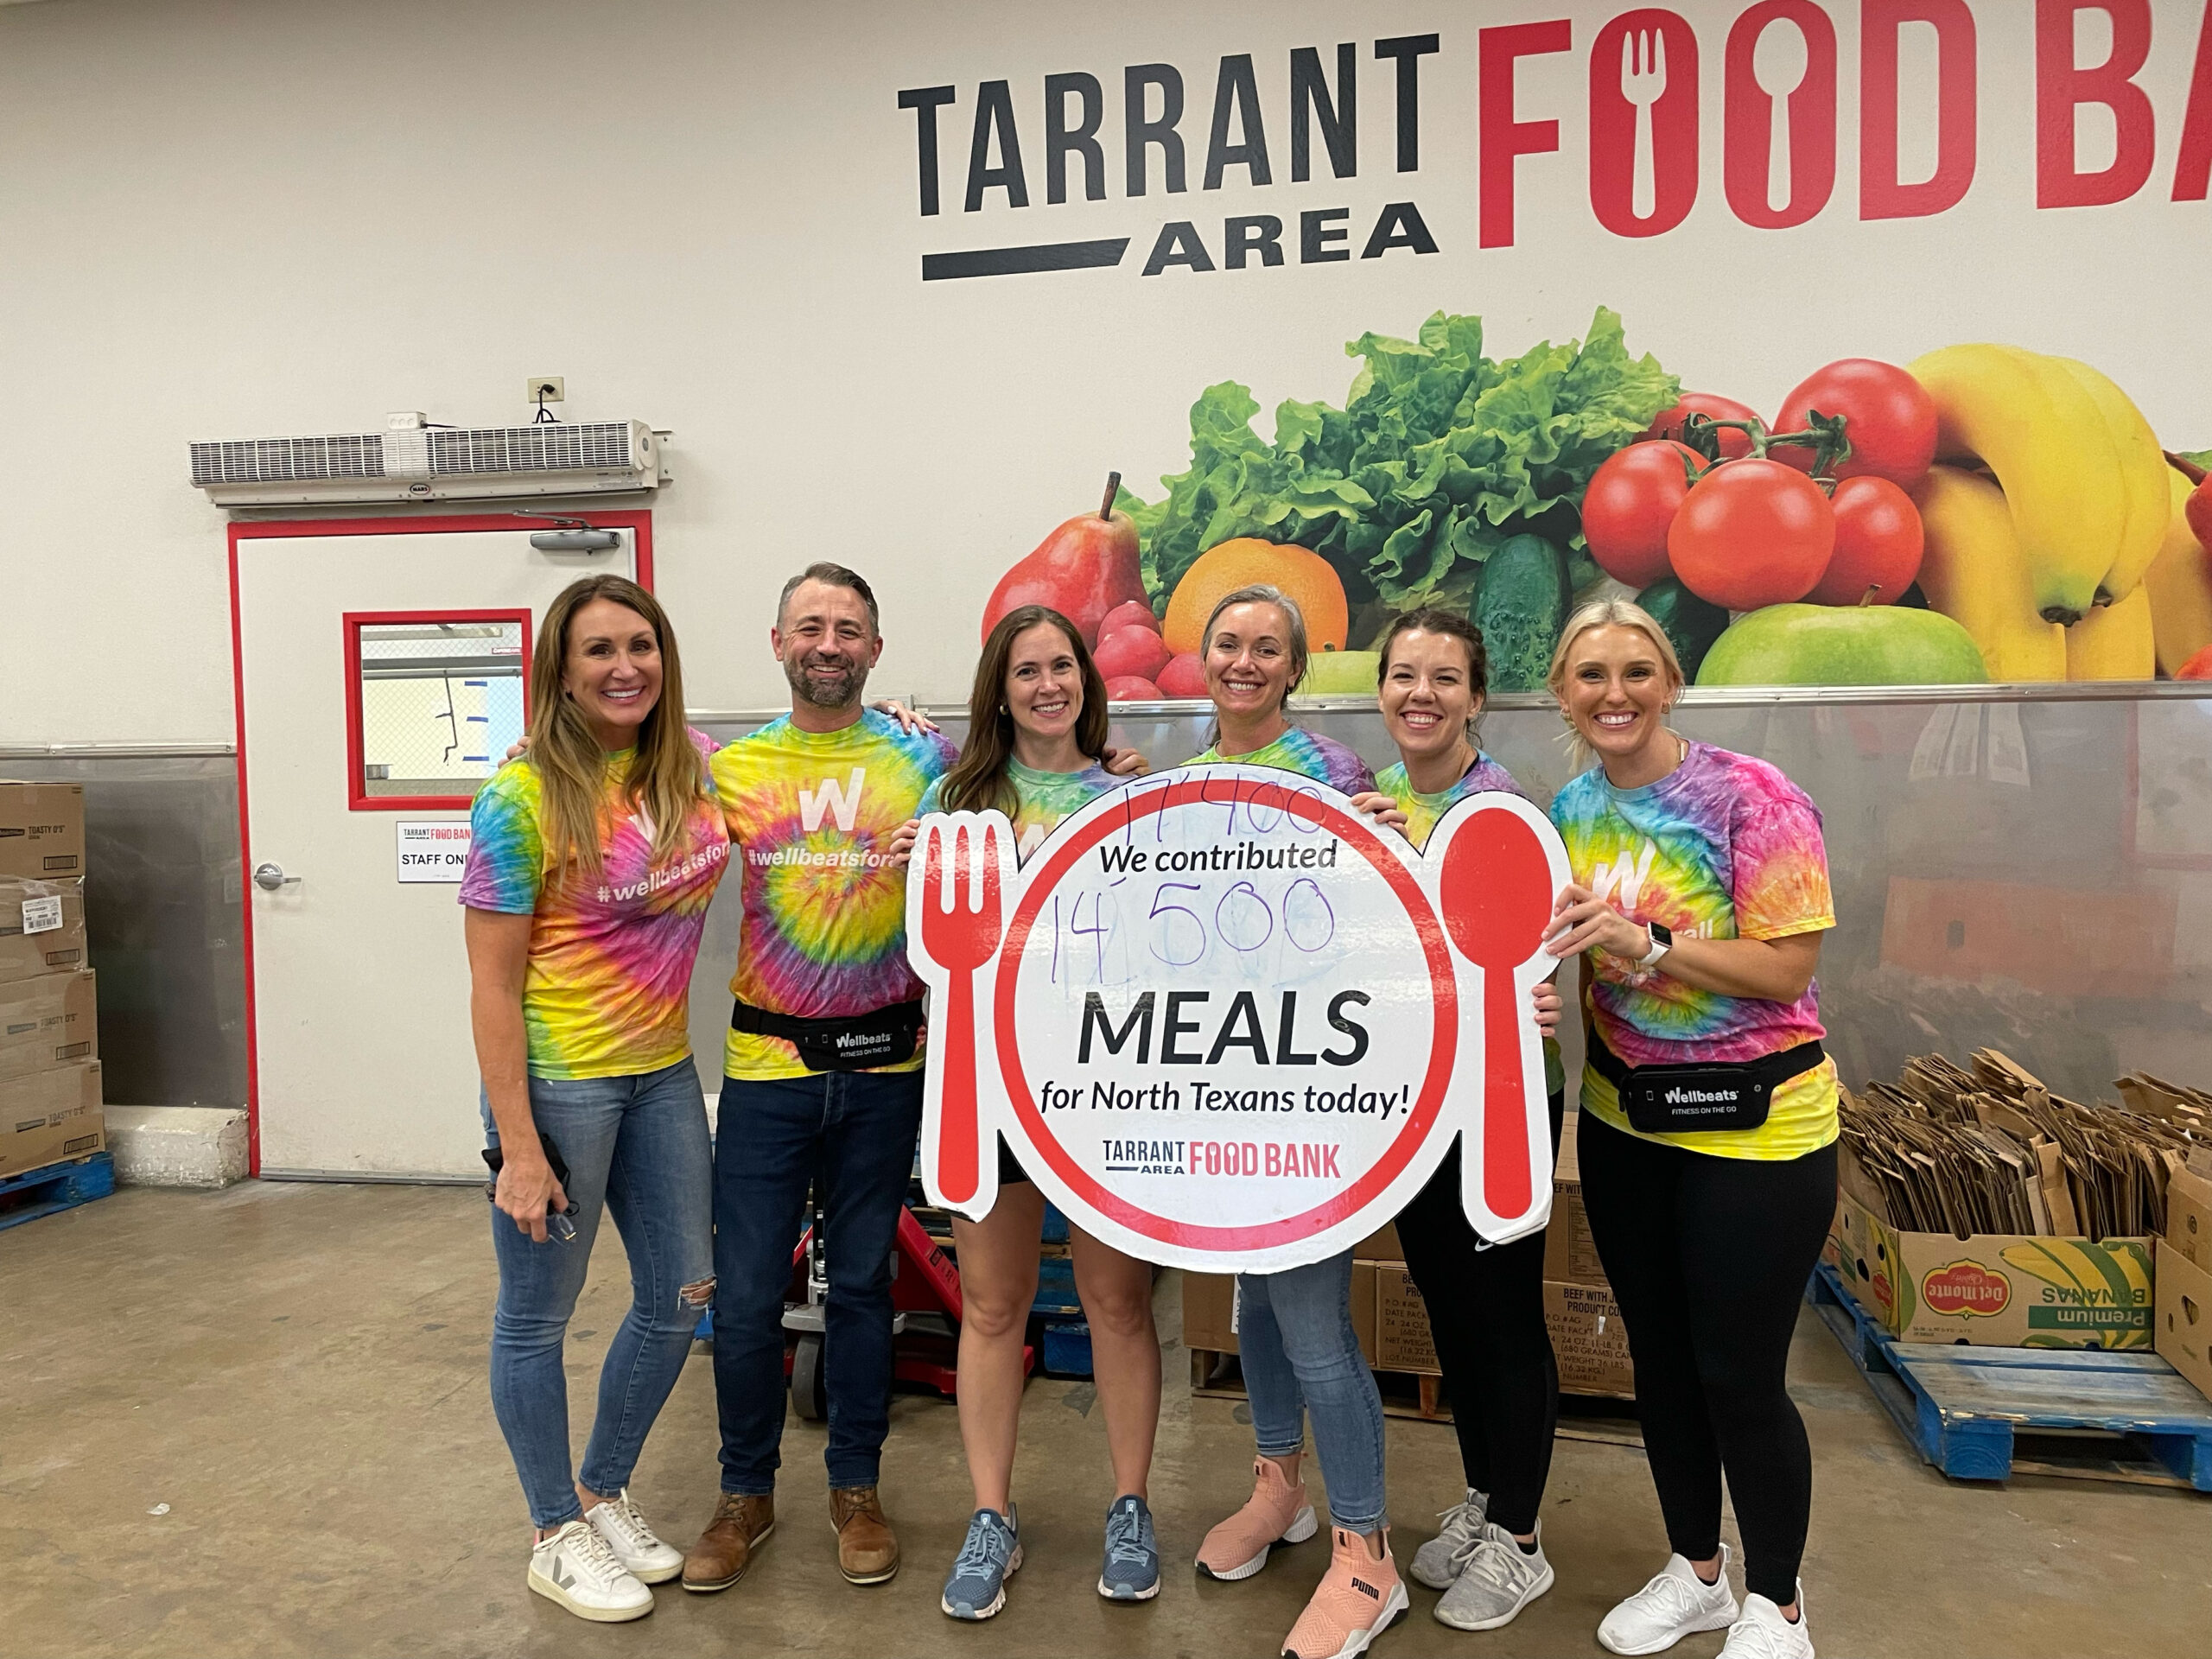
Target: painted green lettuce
x=1439 y=456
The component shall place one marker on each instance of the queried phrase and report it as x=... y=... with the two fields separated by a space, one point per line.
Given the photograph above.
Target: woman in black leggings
x=1699 y=897
x=1486 y=1304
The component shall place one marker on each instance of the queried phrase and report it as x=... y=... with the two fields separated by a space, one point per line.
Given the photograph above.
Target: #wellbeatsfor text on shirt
x=810 y=816
x=605 y=993
x=1723 y=847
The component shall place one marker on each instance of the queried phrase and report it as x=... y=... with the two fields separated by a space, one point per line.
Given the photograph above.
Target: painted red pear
x=1084 y=569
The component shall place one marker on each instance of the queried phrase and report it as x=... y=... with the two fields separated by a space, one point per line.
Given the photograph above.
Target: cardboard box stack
x=1392 y=1321
x=1978 y=1207
x=2182 y=1325
x=50 y=1105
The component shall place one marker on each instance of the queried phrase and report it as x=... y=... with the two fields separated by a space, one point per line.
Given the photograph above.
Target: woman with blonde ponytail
x=591 y=864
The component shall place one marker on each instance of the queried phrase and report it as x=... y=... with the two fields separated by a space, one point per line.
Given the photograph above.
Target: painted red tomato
x=1131 y=651
x=1878 y=544
x=1732 y=442
x=1185 y=676
x=1753 y=533
x=1888 y=415
x=1629 y=505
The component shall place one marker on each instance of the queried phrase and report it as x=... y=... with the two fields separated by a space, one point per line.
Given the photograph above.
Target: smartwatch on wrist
x=1662 y=941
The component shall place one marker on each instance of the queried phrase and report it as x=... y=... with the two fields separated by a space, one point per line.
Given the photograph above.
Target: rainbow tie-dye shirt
x=812 y=815
x=1307 y=753
x=607 y=989
x=1723 y=847
x=1485 y=777
x=1042 y=799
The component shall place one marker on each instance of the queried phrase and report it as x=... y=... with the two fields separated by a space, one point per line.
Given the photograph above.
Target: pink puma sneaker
x=1358 y=1600
x=1276 y=1513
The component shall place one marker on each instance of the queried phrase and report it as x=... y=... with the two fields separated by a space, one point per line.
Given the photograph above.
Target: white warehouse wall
x=248 y=218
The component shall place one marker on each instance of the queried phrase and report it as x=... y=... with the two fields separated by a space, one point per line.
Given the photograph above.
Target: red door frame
x=639 y=524
x=351 y=622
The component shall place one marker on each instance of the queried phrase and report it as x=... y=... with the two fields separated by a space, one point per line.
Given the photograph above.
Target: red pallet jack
x=925 y=1324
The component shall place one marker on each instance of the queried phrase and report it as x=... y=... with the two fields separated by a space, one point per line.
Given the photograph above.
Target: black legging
x=1486 y=1309
x=1708 y=1258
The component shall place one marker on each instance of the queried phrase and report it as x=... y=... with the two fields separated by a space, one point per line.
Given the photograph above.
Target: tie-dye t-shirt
x=1308 y=753
x=1723 y=847
x=1485 y=777
x=607 y=989
x=1041 y=799
x=812 y=815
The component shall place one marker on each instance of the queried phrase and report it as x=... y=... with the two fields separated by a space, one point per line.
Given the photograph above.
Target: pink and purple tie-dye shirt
x=1307 y=753
x=607 y=991
x=1723 y=847
x=812 y=815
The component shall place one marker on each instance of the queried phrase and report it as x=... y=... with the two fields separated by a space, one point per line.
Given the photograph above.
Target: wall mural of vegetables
x=1983 y=513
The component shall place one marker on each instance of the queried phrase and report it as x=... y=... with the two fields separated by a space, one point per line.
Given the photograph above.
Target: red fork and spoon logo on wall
x=1223 y=1021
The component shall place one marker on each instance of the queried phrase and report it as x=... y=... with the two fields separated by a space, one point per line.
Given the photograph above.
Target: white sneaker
x=1674 y=1604
x=1763 y=1633
x=649 y=1560
x=575 y=1567
x=1499 y=1579
x=1438 y=1561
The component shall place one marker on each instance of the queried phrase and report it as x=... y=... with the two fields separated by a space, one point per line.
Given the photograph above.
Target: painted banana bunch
x=2082 y=476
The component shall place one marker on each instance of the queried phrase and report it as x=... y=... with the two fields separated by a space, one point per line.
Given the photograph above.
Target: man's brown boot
x=725 y=1549
x=867 y=1552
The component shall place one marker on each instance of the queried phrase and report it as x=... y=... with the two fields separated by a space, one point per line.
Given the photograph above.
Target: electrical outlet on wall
x=547 y=387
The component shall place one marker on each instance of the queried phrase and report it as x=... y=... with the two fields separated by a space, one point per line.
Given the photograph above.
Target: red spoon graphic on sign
x=1496 y=894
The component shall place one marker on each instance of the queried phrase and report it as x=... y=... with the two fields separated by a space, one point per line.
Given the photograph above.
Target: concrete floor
x=294 y=1376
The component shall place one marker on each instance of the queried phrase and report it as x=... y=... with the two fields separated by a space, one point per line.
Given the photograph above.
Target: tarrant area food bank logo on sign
x=1223 y=1021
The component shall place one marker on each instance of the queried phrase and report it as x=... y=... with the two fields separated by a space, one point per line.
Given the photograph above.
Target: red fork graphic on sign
x=1224 y=1021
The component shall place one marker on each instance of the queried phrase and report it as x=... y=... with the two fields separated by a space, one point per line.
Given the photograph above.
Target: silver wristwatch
x=1662 y=941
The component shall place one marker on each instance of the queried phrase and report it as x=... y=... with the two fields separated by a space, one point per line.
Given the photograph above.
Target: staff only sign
x=1226 y=1022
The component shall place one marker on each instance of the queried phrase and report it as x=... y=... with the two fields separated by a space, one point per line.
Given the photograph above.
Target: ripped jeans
x=637 y=1147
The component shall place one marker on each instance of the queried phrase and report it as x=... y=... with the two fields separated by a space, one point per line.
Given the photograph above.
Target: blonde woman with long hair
x=591 y=864
x=1708 y=1125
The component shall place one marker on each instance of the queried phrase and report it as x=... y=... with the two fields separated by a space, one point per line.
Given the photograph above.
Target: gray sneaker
x=1132 y=1569
x=975 y=1588
x=1498 y=1580
x=1437 y=1562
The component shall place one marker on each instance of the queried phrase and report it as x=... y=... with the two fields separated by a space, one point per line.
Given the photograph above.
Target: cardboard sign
x=1225 y=1022
x=435 y=850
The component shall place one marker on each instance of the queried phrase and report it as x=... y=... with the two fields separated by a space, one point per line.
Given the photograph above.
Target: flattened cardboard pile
x=1990 y=1150
x=1979 y=1207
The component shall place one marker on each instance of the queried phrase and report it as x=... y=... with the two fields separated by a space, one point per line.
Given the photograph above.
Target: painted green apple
x=1342 y=673
x=1828 y=645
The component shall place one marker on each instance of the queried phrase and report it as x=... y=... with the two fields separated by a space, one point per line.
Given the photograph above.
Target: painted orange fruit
x=1304 y=575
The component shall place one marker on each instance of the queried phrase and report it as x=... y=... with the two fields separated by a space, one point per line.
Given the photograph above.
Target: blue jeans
x=853 y=1134
x=637 y=1147
x=1300 y=1353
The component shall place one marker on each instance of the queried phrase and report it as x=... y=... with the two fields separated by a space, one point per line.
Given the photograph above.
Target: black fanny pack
x=854 y=1042
x=1687 y=1099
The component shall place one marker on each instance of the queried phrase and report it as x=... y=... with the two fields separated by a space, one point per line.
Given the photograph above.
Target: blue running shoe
x=976 y=1588
x=1132 y=1572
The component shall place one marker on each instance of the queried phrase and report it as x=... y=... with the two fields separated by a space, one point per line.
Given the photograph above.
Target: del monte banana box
x=1996 y=1290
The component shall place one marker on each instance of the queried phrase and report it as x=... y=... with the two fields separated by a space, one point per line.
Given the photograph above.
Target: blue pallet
x=1960 y=1407
x=1056 y=1225
x=1056 y=1297
x=1067 y=1349
x=57 y=1187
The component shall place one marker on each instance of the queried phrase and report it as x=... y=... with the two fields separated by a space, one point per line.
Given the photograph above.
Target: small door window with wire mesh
x=434 y=699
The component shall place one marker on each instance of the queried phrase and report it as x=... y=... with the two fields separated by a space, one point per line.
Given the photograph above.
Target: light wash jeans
x=637 y=1147
x=1300 y=1355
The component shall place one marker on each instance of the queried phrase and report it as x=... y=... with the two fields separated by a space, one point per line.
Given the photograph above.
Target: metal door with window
x=383 y=667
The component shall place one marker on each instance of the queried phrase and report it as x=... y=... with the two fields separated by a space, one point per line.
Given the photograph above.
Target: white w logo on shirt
x=1605 y=878
x=842 y=803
